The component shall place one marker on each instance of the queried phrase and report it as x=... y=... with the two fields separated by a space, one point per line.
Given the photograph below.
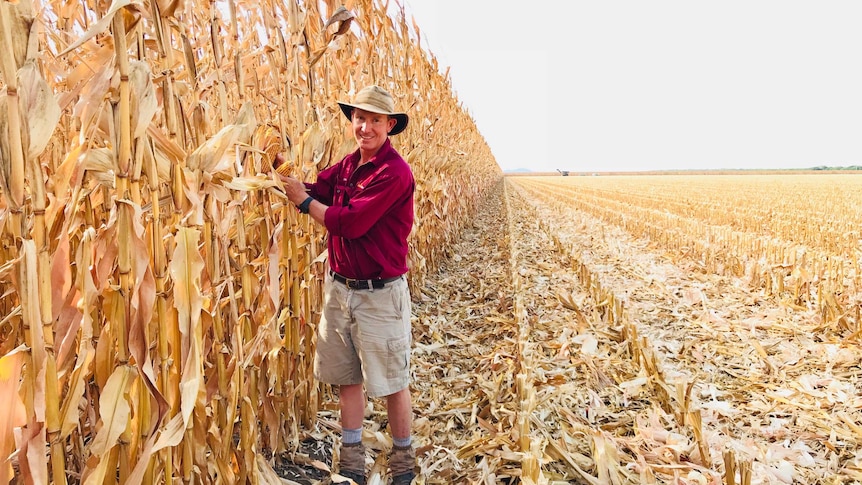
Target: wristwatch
x=305 y=205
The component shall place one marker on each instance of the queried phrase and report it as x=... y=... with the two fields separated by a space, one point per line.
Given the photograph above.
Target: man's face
x=371 y=129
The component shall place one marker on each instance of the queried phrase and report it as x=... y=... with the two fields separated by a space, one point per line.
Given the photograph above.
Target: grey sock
x=402 y=442
x=351 y=436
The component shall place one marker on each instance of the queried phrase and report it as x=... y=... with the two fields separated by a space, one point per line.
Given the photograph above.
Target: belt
x=362 y=284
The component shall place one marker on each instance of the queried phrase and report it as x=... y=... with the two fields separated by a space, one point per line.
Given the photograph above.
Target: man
x=365 y=202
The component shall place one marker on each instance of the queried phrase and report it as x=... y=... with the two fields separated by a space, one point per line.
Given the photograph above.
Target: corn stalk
x=168 y=297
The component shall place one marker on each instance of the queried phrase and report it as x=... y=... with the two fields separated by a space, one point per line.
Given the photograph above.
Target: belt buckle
x=352 y=284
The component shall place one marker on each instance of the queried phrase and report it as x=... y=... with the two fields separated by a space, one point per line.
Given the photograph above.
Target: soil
x=300 y=468
x=680 y=374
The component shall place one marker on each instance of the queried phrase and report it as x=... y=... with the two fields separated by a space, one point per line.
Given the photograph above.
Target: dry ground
x=700 y=374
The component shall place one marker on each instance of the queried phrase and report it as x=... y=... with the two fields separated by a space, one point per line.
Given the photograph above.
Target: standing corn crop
x=158 y=296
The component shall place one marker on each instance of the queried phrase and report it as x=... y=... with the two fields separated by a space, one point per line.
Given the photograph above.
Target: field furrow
x=766 y=380
x=513 y=377
x=465 y=338
x=790 y=251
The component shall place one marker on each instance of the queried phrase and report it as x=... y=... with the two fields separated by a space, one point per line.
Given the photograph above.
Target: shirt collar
x=382 y=153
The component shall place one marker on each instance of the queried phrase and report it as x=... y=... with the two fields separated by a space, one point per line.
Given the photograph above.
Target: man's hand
x=294 y=189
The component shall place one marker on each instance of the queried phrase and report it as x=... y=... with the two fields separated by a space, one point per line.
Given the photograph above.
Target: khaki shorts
x=364 y=337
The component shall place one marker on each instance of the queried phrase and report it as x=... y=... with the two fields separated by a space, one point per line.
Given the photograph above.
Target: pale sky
x=631 y=85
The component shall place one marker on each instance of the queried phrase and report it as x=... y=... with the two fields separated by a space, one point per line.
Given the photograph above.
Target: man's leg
x=351 y=463
x=383 y=342
x=352 y=403
x=399 y=409
x=402 y=462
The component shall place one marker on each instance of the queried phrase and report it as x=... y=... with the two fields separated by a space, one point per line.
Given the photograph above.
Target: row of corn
x=671 y=397
x=158 y=295
x=718 y=227
x=726 y=364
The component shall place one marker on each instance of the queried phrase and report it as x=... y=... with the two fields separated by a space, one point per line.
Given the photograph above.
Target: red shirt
x=370 y=214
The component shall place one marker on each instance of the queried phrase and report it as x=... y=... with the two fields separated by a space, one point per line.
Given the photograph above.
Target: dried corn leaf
x=186 y=267
x=13 y=413
x=39 y=106
x=246 y=184
x=114 y=410
x=103 y=23
x=215 y=154
x=17 y=21
x=144 y=102
x=100 y=164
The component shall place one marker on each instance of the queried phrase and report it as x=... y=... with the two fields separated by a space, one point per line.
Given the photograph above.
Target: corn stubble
x=159 y=295
x=716 y=364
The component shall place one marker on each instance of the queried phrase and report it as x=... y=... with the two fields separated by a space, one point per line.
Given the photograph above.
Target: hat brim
x=401 y=119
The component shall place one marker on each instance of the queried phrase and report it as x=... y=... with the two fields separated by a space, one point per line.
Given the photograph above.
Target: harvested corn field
x=557 y=345
x=714 y=325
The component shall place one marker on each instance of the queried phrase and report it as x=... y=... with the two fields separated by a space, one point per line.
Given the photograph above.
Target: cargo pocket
x=399 y=357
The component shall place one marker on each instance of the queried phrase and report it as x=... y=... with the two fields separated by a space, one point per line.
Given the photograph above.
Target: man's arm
x=297 y=192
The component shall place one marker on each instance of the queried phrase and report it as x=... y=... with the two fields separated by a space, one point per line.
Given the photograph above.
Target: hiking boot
x=403 y=479
x=351 y=463
x=402 y=465
x=354 y=477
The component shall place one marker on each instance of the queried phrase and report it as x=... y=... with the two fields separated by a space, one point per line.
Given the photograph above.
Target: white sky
x=609 y=85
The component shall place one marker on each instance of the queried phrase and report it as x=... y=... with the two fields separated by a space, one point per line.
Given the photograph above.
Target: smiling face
x=370 y=130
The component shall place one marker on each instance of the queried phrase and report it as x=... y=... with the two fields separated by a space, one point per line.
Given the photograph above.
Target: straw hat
x=376 y=100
